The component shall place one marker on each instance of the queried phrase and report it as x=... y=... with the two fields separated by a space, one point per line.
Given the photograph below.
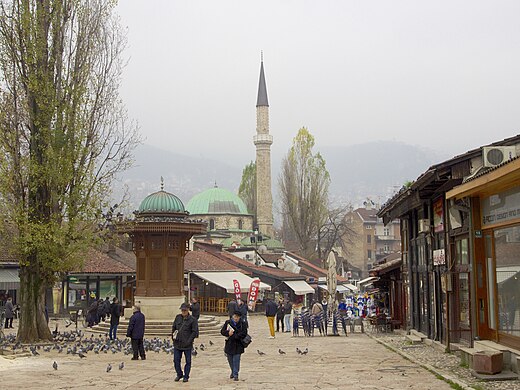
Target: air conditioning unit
x=496 y=155
x=424 y=225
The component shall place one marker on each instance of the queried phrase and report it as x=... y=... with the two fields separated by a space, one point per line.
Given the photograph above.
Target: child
x=295 y=326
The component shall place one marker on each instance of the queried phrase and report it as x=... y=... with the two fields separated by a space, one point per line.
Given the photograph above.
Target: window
x=368 y=227
x=386 y=231
x=211 y=224
x=369 y=254
x=240 y=224
x=507 y=263
x=369 y=239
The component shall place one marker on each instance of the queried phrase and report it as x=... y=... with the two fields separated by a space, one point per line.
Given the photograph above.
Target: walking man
x=270 y=313
x=184 y=331
x=136 y=332
x=115 y=313
x=195 y=308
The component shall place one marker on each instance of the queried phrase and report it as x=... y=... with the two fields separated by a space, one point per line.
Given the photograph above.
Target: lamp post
x=256 y=245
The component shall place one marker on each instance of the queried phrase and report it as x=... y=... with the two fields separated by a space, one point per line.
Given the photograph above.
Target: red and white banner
x=236 y=288
x=253 y=294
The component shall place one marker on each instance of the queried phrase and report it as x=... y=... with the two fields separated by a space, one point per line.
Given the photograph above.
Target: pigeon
x=194 y=352
x=305 y=352
x=55 y=331
x=67 y=323
x=202 y=347
x=260 y=352
x=55 y=366
x=122 y=365
x=210 y=342
x=280 y=351
x=81 y=355
x=109 y=367
x=298 y=351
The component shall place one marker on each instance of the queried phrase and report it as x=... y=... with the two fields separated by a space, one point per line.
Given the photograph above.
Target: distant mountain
x=183 y=175
x=374 y=170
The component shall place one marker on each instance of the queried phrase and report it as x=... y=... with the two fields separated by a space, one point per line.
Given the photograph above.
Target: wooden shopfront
x=495 y=238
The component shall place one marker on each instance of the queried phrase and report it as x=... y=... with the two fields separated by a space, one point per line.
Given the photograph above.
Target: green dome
x=216 y=201
x=161 y=202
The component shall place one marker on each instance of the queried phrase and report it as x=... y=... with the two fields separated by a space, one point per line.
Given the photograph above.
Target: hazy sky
x=442 y=74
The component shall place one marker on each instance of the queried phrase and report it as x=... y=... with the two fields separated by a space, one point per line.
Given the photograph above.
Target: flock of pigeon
x=75 y=343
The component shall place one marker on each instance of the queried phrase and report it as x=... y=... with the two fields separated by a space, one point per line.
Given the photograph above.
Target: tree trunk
x=33 y=325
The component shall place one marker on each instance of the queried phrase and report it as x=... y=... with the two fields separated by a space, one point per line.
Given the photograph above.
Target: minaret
x=263 y=141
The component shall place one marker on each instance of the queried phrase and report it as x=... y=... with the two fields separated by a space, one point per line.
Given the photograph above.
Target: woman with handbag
x=235 y=331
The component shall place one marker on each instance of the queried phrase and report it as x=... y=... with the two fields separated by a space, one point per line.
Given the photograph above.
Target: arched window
x=240 y=224
x=211 y=224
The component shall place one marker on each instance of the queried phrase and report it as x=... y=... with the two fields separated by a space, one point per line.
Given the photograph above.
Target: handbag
x=246 y=341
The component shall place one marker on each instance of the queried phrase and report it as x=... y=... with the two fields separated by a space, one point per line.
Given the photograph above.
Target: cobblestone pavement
x=446 y=364
x=356 y=362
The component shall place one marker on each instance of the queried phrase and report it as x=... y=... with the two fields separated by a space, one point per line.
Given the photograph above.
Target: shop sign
x=438 y=216
x=501 y=208
x=439 y=258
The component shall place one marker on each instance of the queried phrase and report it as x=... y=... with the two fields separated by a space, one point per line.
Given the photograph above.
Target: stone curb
x=426 y=366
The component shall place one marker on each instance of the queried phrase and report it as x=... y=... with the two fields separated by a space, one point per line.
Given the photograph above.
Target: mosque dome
x=216 y=201
x=161 y=202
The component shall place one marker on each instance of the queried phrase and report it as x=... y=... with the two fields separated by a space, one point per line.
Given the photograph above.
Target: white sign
x=439 y=258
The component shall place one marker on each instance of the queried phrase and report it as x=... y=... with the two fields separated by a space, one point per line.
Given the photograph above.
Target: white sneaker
x=271 y=337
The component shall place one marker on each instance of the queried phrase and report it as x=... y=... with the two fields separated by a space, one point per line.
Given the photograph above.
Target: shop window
x=507 y=267
x=369 y=239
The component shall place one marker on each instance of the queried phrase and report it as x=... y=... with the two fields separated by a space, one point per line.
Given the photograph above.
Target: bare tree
x=64 y=135
x=304 y=184
x=335 y=232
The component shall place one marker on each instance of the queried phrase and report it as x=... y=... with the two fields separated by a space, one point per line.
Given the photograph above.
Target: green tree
x=304 y=185
x=64 y=135
x=247 y=189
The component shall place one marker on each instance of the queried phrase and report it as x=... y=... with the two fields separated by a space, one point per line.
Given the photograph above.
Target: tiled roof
x=313 y=270
x=205 y=261
x=275 y=273
x=387 y=267
x=271 y=257
x=98 y=262
x=367 y=215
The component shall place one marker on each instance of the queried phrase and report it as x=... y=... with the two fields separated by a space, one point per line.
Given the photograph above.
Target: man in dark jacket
x=9 y=313
x=136 y=333
x=195 y=308
x=184 y=331
x=115 y=313
x=235 y=330
x=270 y=313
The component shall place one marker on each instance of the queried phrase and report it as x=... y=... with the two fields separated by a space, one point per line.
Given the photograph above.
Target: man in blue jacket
x=136 y=333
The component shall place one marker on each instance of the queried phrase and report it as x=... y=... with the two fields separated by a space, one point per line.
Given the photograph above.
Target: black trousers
x=278 y=320
x=8 y=323
x=138 y=348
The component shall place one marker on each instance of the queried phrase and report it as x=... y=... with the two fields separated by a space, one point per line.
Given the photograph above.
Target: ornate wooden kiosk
x=160 y=234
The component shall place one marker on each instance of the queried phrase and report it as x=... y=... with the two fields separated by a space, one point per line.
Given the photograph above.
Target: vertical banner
x=253 y=294
x=236 y=288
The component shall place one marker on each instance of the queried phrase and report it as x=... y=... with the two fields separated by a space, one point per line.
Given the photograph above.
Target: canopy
x=300 y=287
x=339 y=288
x=351 y=287
x=225 y=280
x=367 y=280
x=9 y=279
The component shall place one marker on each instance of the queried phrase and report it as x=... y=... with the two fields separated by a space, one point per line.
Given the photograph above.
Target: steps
x=208 y=326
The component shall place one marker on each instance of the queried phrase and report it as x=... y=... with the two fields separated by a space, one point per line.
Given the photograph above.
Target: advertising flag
x=236 y=288
x=253 y=294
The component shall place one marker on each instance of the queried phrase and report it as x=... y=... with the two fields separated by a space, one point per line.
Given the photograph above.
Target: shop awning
x=339 y=288
x=9 y=279
x=351 y=287
x=368 y=280
x=300 y=287
x=225 y=280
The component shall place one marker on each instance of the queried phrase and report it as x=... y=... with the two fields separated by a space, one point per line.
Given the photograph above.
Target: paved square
x=355 y=362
